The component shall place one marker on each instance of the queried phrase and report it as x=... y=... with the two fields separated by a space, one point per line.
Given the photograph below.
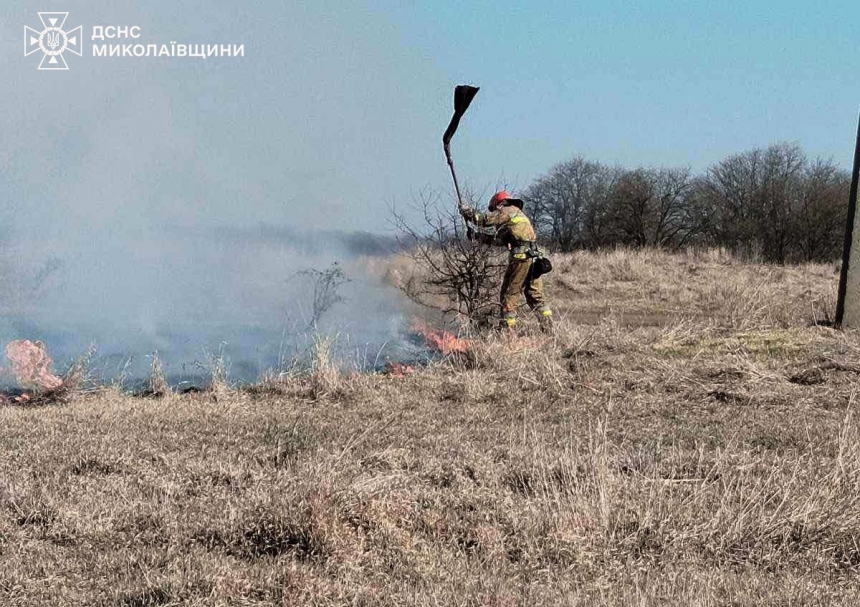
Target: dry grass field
x=689 y=436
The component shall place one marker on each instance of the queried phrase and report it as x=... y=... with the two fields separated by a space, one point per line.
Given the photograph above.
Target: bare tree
x=631 y=202
x=582 y=204
x=654 y=207
x=772 y=204
x=756 y=196
x=727 y=189
x=569 y=203
x=820 y=221
x=456 y=275
x=780 y=199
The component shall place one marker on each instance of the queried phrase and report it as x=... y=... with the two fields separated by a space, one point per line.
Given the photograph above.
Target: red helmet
x=502 y=198
x=497 y=199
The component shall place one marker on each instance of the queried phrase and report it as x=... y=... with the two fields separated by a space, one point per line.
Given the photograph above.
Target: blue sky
x=645 y=83
x=337 y=109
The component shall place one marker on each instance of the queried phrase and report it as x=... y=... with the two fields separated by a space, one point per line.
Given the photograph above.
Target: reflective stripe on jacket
x=513 y=227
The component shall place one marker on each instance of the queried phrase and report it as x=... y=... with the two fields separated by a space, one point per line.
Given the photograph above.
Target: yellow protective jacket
x=513 y=228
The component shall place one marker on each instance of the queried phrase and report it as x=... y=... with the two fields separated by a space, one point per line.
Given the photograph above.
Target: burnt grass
x=708 y=455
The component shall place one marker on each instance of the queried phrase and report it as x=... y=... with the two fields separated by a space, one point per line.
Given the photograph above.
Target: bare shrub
x=451 y=273
x=325 y=288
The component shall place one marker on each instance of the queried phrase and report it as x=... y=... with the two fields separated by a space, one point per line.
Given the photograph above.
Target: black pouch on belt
x=540 y=266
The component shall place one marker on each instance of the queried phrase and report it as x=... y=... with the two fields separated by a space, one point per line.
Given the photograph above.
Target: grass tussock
x=688 y=436
x=157 y=385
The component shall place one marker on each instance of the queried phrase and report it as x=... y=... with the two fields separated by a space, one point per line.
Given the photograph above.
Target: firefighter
x=514 y=230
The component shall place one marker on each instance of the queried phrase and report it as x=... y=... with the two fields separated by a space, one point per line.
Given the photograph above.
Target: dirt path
x=626 y=319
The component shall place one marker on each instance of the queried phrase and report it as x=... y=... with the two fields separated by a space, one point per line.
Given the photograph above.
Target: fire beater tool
x=463 y=95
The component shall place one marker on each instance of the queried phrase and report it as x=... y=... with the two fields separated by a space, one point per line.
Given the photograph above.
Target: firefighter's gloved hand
x=467 y=212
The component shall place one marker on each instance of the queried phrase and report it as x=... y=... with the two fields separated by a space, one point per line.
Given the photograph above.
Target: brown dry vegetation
x=688 y=437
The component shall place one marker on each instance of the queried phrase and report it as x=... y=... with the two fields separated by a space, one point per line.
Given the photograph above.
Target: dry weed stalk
x=157 y=384
x=325 y=374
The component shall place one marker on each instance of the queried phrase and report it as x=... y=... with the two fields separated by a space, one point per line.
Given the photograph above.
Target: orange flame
x=398 y=369
x=32 y=365
x=440 y=340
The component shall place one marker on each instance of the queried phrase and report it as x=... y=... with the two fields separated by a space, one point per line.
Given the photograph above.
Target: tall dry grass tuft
x=325 y=374
x=79 y=378
x=157 y=384
x=218 y=368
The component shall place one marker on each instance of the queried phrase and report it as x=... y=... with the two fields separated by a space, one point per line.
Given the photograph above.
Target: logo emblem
x=53 y=41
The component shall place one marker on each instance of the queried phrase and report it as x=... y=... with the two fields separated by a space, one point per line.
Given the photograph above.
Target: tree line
x=773 y=204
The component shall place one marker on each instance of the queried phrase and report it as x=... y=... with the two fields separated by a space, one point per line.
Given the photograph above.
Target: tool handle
x=456 y=185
